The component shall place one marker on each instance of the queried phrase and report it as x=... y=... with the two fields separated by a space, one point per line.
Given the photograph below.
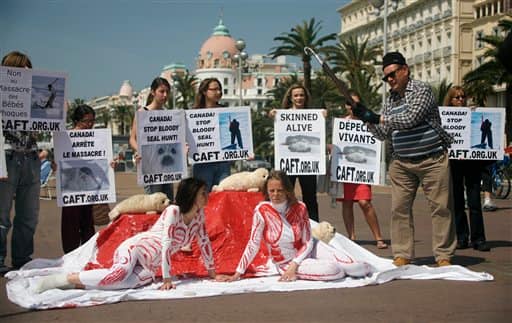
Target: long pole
x=241 y=99
x=173 y=96
x=384 y=89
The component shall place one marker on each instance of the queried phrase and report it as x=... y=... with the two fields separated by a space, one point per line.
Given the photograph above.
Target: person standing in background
x=21 y=186
x=77 y=225
x=208 y=96
x=362 y=194
x=298 y=97
x=159 y=93
x=46 y=165
x=466 y=173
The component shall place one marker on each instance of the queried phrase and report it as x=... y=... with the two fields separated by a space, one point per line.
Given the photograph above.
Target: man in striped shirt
x=411 y=124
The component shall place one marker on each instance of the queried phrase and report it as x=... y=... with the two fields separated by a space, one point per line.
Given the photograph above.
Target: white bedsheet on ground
x=20 y=288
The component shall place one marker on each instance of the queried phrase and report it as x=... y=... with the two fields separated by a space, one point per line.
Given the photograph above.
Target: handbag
x=100 y=214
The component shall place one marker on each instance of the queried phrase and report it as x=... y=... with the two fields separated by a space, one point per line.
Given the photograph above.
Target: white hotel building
x=439 y=38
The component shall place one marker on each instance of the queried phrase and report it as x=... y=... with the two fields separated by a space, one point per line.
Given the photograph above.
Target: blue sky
x=100 y=43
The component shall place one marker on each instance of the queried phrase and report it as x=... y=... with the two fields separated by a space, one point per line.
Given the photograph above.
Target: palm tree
x=104 y=117
x=356 y=62
x=187 y=89
x=300 y=36
x=479 y=82
x=348 y=56
x=124 y=115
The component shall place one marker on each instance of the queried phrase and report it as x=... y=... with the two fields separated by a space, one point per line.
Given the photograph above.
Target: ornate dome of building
x=218 y=50
x=126 y=89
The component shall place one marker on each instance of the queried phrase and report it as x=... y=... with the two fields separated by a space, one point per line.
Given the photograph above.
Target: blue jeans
x=163 y=188
x=211 y=173
x=23 y=169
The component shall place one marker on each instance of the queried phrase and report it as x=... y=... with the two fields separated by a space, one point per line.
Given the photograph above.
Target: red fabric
x=228 y=224
x=356 y=192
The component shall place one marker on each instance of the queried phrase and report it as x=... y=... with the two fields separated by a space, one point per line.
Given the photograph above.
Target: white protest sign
x=299 y=141
x=161 y=144
x=219 y=134
x=478 y=133
x=355 y=153
x=84 y=175
x=32 y=100
x=3 y=165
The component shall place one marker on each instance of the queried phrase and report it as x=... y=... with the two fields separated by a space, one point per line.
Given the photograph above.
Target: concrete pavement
x=397 y=301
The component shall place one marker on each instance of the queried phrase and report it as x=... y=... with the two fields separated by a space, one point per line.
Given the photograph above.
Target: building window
x=260 y=92
x=225 y=81
x=496 y=31
x=216 y=63
x=260 y=82
x=225 y=91
x=478 y=40
x=276 y=81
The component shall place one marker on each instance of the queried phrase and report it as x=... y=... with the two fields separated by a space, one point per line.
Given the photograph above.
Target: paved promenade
x=397 y=301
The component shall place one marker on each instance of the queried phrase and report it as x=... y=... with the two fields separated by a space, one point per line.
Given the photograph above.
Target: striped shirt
x=412 y=123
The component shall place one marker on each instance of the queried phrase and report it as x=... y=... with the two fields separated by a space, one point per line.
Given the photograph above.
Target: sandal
x=381 y=244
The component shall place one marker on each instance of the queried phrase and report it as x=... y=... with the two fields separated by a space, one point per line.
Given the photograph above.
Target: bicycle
x=499 y=178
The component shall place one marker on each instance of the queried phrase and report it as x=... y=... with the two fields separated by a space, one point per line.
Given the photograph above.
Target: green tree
x=300 y=36
x=355 y=62
x=123 y=115
x=263 y=132
x=480 y=81
x=187 y=90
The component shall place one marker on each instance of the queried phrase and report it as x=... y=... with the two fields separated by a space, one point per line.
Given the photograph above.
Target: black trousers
x=308 y=187
x=467 y=174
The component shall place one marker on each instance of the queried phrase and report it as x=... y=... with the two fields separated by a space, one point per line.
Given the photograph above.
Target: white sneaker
x=489 y=206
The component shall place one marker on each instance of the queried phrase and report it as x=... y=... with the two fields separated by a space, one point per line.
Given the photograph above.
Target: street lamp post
x=174 y=88
x=240 y=57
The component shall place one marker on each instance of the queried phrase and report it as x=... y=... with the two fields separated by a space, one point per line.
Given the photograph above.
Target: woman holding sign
x=466 y=173
x=21 y=186
x=297 y=97
x=138 y=259
x=282 y=224
x=158 y=95
x=77 y=225
x=362 y=194
x=208 y=96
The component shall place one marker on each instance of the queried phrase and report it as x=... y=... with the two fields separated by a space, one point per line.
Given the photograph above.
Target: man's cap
x=393 y=58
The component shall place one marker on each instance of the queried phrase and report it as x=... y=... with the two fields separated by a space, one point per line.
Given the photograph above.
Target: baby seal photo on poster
x=162 y=158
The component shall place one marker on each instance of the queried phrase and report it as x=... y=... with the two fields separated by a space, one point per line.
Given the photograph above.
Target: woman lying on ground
x=137 y=259
x=283 y=224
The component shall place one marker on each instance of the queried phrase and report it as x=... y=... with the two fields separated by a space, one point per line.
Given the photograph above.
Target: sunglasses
x=392 y=75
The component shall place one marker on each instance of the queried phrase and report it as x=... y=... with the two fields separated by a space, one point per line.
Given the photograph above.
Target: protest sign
x=478 y=133
x=161 y=144
x=32 y=100
x=355 y=153
x=219 y=134
x=84 y=175
x=299 y=141
x=3 y=165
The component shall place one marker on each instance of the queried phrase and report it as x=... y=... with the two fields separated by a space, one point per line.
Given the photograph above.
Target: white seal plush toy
x=243 y=181
x=140 y=203
x=324 y=231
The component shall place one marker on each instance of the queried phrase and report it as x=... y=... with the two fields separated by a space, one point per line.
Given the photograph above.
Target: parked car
x=257 y=162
